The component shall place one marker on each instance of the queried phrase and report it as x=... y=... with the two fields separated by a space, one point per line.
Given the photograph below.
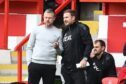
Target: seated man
x=124 y=50
x=102 y=64
x=122 y=72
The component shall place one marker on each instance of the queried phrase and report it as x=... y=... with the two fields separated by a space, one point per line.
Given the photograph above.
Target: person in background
x=124 y=50
x=122 y=72
x=42 y=47
x=103 y=64
x=77 y=45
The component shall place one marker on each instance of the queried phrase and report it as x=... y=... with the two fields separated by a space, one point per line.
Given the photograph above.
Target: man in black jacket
x=103 y=64
x=77 y=45
x=124 y=50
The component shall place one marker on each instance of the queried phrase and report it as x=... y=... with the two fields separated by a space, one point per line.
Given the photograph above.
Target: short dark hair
x=72 y=12
x=102 y=43
x=50 y=11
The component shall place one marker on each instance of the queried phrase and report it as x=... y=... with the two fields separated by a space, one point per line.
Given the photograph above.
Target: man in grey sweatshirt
x=42 y=48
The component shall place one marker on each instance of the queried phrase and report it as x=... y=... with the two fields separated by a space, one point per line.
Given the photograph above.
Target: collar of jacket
x=65 y=28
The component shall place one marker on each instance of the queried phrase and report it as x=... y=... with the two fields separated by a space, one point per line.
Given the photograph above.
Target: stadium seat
x=110 y=80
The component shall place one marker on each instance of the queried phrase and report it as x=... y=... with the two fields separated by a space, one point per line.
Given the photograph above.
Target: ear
x=54 y=17
x=42 y=19
x=103 y=48
x=73 y=18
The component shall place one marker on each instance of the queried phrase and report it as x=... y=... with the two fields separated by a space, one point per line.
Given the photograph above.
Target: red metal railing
x=63 y=5
x=18 y=48
x=73 y=5
x=6 y=9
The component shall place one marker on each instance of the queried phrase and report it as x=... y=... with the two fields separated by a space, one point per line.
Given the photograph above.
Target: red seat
x=110 y=80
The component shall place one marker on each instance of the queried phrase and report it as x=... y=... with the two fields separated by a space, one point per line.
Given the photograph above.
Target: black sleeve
x=108 y=61
x=124 y=50
x=108 y=65
x=87 y=40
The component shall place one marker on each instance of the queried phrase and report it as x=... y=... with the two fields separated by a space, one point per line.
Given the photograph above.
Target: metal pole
x=19 y=65
x=73 y=5
x=6 y=10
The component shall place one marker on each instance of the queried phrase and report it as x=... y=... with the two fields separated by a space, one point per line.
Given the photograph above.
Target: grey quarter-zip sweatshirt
x=40 y=45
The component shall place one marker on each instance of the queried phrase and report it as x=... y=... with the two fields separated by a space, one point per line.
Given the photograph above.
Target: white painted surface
x=124 y=24
x=119 y=59
x=32 y=20
x=5 y=57
x=103 y=27
x=13 y=41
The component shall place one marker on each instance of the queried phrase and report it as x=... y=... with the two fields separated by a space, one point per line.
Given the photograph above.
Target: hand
x=56 y=45
x=83 y=63
x=92 y=54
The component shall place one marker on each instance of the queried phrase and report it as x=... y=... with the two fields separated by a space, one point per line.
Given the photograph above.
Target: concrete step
x=11 y=69
x=8 y=71
x=10 y=57
x=10 y=79
x=15 y=53
x=14 y=60
x=14 y=56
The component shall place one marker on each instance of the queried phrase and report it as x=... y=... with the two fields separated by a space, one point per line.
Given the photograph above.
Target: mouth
x=65 y=23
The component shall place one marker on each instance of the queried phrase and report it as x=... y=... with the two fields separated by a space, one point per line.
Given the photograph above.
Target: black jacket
x=101 y=68
x=77 y=43
x=124 y=50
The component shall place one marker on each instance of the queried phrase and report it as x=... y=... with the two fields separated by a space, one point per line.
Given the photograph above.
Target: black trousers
x=93 y=76
x=36 y=71
x=73 y=76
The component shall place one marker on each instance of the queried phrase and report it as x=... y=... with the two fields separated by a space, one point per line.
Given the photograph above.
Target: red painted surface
x=59 y=2
x=1 y=1
x=21 y=7
x=116 y=8
x=116 y=33
x=1 y=32
x=73 y=5
x=24 y=7
x=40 y=7
x=17 y=25
x=1 y=7
x=105 y=8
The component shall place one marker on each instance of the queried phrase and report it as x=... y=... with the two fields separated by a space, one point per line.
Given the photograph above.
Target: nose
x=47 y=18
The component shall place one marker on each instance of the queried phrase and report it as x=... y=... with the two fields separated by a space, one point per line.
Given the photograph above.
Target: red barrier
x=64 y=4
x=19 y=49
